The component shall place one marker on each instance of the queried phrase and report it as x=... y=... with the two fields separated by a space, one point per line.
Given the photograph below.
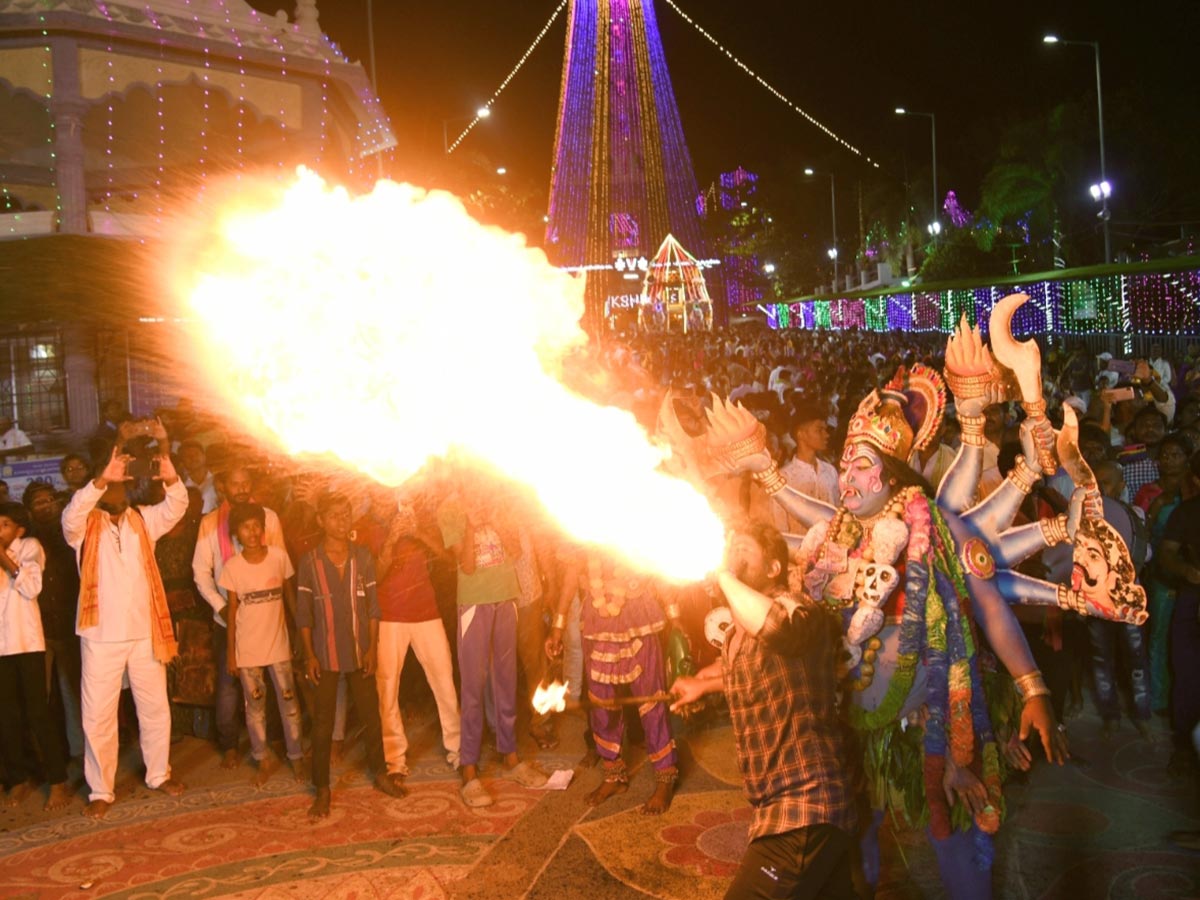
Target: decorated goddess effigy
x=920 y=578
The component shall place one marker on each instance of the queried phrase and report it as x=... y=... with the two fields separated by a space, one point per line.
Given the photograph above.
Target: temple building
x=111 y=115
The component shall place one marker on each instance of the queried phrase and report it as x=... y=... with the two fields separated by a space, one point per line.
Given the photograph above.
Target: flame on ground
x=389 y=328
x=550 y=698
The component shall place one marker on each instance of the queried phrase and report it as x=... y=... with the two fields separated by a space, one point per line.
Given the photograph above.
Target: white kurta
x=20 y=615
x=120 y=642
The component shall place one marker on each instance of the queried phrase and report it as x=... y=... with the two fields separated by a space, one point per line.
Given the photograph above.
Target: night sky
x=976 y=65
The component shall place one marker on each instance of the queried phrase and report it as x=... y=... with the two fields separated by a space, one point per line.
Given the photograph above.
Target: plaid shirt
x=1138 y=466
x=782 y=691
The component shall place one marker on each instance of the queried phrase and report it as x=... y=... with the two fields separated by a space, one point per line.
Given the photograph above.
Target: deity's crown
x=902 y=416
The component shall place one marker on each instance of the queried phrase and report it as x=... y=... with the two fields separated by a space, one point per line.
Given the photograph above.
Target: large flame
x=392 y=327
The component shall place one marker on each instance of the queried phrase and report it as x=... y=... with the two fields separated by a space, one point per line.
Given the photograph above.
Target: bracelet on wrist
x=1024 y=476
x=771 y=480
x=1031 y=685
x=560 y=621
x=1054 y=530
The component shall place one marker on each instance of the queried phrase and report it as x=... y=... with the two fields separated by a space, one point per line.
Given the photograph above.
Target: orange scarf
x=162 y=633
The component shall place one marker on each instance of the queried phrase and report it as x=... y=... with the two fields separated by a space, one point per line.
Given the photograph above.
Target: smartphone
x=1116 y=395
x=143 y=467
x=1123 y=367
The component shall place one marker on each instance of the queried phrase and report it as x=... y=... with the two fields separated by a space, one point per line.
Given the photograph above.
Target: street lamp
x=482 y=113
x=833 y=218
x=769 y=269
x=1098 y=190
x=501 y=171
x=901 y=111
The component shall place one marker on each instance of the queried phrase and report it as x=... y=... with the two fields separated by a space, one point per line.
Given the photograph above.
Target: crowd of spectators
x=250 y=548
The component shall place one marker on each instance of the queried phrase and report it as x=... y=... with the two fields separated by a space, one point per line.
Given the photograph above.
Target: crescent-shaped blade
x=1023 y=358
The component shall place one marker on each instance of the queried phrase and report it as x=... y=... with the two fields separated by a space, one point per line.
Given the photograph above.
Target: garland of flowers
x=970 y=719
x=956 y=704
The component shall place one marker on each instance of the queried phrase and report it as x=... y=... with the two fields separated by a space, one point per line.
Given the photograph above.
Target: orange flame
x=551 y=698
x=389 y=328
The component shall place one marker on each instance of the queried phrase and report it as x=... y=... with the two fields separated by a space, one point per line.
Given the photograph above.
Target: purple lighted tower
x=622 y=178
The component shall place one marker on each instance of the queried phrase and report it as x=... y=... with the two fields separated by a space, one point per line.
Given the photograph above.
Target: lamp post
x=833 y=218
x=1103 y=190
x=482 y=113
x=934 y=227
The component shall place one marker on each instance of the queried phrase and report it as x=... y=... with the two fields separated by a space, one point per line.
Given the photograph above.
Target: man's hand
x=166 y=469
x=554 y=643
x=312 y=669
x=231 y=665
x=114 y=471
x=687 y=690
x=8 y=564
x=157 y=430
x=368 y=663
x=1038 y=714
x=1017 y=754
x=964 y=785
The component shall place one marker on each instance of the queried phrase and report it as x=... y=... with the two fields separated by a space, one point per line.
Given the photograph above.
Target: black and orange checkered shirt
x=782 y=691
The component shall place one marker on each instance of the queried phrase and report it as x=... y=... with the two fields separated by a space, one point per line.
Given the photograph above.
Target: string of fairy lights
x=512 y=74
x=769 y=87
x=1152 y=304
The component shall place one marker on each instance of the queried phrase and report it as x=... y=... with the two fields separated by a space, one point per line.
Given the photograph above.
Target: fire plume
x=388 y=328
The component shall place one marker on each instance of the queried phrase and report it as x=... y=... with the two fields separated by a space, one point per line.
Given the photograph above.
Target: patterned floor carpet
x=1095 y=828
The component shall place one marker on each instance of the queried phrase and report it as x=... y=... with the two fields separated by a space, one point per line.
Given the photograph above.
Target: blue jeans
x=1104 y=635
x=255 y=688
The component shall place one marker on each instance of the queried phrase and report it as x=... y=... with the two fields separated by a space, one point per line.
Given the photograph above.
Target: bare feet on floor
x=320 y=805
x=266 y=767
x=231 y=759
x=172 y=787
x=16 y=796
x=336 y=751
x=97 y=809
x=297 y=768
x=392 y=785
x=660 y=800
x=59 y=796
x=607 y=789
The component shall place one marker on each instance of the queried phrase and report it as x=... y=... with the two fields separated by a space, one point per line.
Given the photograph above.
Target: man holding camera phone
x=124 y=624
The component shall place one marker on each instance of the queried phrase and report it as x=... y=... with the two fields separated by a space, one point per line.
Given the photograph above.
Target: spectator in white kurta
x=13 y=441
x=124 y=623
x=23 y=663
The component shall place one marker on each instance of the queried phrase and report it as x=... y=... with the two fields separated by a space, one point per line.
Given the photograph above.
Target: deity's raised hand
x=738 y=441
x=971 y=373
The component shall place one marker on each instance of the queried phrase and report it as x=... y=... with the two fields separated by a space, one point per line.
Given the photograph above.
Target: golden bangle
x=975 y=423
x=560 y=621
x=1032 y=685
x=771 y=481
x=1035 y=409
x=974 y=438
x=672 y=611
x=968 y=387
x=1023 y=476
x=756 y=442
x=1054 y=530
